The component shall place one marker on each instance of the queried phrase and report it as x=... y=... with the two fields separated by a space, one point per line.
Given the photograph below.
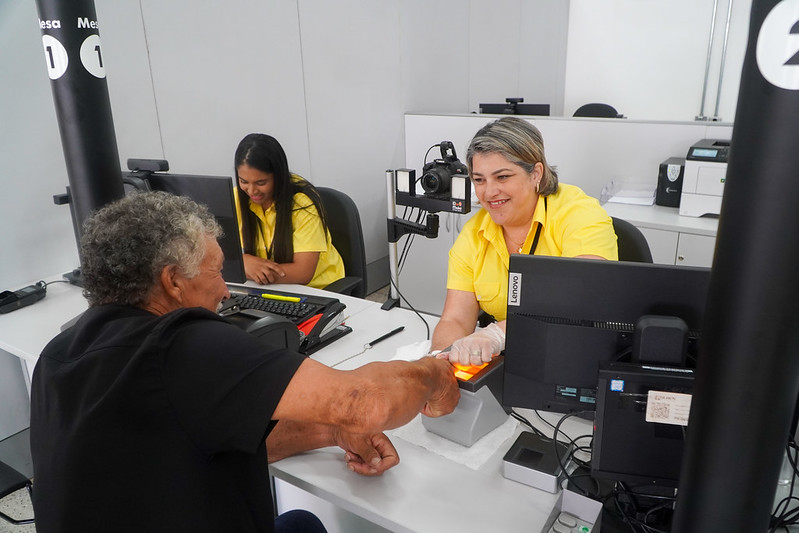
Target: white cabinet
x=662 y=244
x=673 y=239
x=695 y=250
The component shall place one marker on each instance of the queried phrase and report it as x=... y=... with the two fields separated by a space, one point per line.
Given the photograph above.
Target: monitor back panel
x=567 y=315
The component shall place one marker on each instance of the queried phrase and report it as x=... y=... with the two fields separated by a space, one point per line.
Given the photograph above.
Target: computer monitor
x=566 y=316
x=532 y=109
x=515 y=108
x=216 y=192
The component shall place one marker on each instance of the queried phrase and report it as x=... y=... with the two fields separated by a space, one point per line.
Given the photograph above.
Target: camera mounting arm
x=397 y=227
x=447 y=188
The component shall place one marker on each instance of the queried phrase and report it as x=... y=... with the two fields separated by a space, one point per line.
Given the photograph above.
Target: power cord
x=784 y=516
x=573 y=447
x=426 y=325
x=47 y=284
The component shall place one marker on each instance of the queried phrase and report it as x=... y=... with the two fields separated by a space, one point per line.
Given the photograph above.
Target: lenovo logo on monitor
x=514 y=288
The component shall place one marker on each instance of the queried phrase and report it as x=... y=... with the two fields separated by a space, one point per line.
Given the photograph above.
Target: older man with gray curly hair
x=152 y=413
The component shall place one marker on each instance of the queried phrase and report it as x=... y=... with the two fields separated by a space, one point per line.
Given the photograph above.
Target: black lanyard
x=263 y=238
x=538 y=231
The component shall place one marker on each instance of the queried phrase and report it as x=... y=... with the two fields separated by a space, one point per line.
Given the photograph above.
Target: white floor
x=18 y=506
x=379 y=295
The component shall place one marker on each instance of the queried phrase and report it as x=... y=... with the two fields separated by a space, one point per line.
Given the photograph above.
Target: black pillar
x=76 y=67
x=748 y=371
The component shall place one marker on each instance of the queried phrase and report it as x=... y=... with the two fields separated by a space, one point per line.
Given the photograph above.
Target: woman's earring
x=536 y=186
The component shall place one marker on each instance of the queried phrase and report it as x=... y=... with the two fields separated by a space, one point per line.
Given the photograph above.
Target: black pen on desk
x=384 y=337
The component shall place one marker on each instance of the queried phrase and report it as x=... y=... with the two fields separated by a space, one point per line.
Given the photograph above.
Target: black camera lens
x=436 y=180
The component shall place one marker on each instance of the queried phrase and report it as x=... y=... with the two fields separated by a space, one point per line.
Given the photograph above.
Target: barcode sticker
x=668 y=407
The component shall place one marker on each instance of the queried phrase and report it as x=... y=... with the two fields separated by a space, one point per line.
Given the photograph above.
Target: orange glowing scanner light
x=467 y=372
x=471 y=378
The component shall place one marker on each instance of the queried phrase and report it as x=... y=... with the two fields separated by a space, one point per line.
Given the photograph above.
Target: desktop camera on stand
x=445 y=187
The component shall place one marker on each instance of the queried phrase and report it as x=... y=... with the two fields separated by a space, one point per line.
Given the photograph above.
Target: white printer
x=703 y=180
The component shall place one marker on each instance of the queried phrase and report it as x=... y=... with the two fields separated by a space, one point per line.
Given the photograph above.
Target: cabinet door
x=662 y=244
x=695 y=250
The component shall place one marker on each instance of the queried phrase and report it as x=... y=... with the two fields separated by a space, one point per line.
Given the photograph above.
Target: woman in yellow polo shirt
x=283 y=227
x=524 y=210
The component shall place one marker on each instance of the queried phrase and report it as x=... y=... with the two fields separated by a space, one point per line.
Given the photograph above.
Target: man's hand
x=368 y=455
x=262 y=270
x=447 y=393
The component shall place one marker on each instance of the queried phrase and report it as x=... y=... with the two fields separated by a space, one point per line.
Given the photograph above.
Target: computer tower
x=641 y=423
x=670 y=178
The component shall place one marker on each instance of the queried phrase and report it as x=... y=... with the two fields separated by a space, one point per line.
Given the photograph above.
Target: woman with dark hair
x=284 y=231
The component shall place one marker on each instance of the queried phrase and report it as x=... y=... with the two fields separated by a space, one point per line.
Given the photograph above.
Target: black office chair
x=16 y=450
x=344 y=223
x=597 y=110
x=632 y=243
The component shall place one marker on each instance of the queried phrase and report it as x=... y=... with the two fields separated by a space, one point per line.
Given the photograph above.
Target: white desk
x=425 y=492
x=25 y=332
x=663 y=218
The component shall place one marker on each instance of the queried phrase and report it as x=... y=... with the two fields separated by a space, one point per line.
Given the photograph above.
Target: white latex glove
x=479 y=347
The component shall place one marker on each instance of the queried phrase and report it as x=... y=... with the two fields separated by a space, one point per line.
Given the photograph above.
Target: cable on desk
x=640 y=520
x=636 y=524
x=547 y=422
x=48 y=283
x=426 y=325
x=584 y=449
x=562 y=465
x=783 y=516
x=527 y=423
x=572 y=444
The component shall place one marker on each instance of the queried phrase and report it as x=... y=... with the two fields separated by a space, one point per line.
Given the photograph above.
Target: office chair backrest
x=632 y=243
x=597 y=110
x=344 y=223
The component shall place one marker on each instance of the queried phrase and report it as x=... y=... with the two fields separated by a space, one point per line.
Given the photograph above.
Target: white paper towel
x=473 y=456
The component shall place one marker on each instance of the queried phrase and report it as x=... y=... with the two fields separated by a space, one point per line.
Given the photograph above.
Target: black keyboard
x=248 y=305
x=297 y=312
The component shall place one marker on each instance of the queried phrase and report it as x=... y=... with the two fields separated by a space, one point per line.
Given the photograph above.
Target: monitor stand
x=75 y=277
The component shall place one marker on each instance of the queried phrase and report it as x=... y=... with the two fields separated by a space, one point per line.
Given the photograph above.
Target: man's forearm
x=368 y=399
x=289 y=438
x=398 y=391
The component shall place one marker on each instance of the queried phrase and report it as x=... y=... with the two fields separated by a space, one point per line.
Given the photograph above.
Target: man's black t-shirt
x=148 y=423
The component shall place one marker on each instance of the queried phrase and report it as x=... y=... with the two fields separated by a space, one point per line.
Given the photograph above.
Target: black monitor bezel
x=515 y=109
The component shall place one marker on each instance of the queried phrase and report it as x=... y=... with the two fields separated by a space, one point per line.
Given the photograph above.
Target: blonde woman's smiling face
x=505 y=190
